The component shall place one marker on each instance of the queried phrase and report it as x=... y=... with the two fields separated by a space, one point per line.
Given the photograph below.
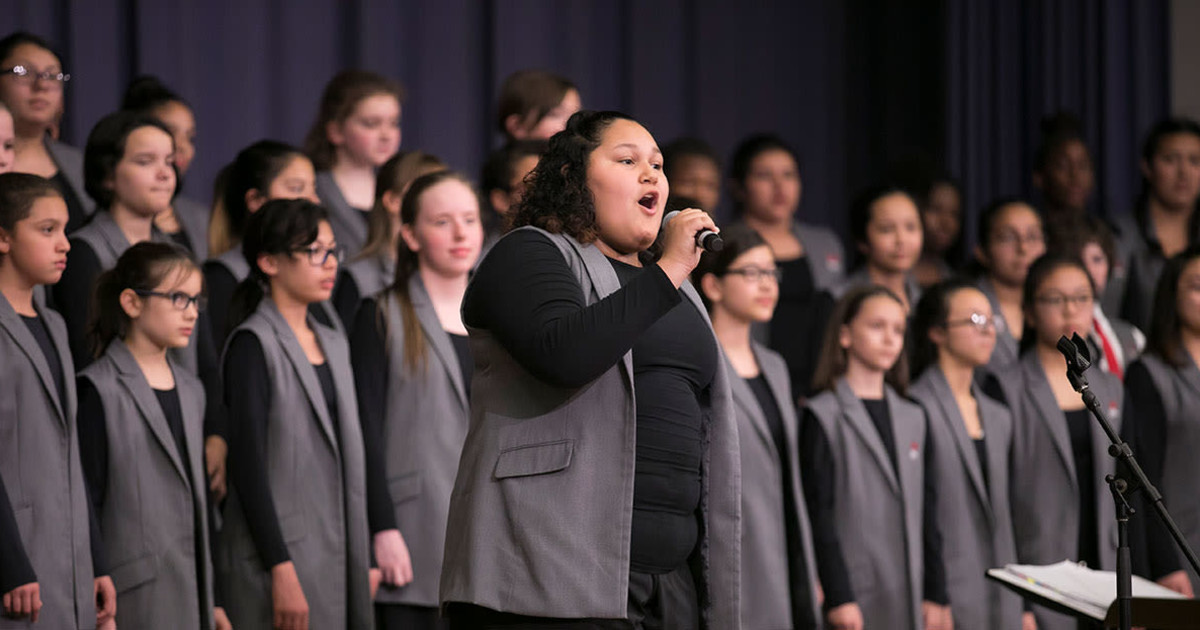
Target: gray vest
x=193 y=216
x=879 y=512
x=235 y=262
x=154 y=497
x=371 y=275
x=39 y=463
x=424 y=430
x=349 y=227
x=70 y=162
x=826 y=257
x=1179 y=389
x=765 y=593
x=318 y=484
x=1127 y=236
x=975 y=519
x=1044 y=492
x=1007 y=349
x=106 y=239
x=542 y=507
x=859 y=278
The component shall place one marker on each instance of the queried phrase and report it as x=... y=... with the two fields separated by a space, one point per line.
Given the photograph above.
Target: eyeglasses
x=1058 y=300
x=180 y=300
x=980 y=321
x=28 y=76
x=1009 y=239
x=318 y=256
x=756 y=274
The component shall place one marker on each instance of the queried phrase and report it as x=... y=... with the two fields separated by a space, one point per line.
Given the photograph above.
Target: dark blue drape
x=853 y=84
x=1010 y=63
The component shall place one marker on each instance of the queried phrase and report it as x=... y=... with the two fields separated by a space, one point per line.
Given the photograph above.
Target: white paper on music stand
x=1077 y=587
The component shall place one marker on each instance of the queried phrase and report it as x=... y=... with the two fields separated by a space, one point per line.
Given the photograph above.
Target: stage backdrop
x=856 y=85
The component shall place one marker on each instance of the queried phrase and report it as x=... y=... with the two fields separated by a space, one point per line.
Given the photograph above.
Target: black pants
x=405 y=617
x=666 y=601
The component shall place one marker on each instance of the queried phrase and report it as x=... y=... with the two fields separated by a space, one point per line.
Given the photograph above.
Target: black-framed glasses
x=180 y=300
x=1010 y=238
x=1058 y=300
x=979 y=321
x=29 y=76
x=756 y=274
x=318 y=256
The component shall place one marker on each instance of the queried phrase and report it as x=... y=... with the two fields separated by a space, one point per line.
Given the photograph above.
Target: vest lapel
x=744 y=398
x=860 y=423
x=1040 y=399
x=303 y=368
x=963 y=443
x=134 y=381
x=15 y=327
x=438 y=338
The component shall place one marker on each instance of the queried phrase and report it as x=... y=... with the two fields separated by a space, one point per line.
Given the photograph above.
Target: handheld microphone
x=706 y=239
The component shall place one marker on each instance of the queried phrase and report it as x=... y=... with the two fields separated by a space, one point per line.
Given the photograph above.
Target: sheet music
x=1086 y=590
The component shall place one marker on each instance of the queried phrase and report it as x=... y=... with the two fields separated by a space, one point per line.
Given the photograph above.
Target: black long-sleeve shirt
x=528 y=297
x=818 y=466
x=1144 y=427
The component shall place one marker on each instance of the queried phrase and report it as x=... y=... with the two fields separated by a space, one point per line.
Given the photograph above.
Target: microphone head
x=712 y=242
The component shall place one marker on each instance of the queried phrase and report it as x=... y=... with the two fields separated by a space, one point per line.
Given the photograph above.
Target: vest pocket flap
x=134 y=573
x=405 y=487
x=534 y=459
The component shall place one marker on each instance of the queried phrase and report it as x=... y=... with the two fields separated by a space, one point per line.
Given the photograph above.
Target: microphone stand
x=1075 y=351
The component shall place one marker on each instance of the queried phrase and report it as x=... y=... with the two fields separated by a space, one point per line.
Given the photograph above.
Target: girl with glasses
x=31 y=85
x=413 y=370
x=141 y=439
x=295 y=538
x=954 y=332
x=867 y=460
x=357 y=129
x=740 y=286
x=1062 y=508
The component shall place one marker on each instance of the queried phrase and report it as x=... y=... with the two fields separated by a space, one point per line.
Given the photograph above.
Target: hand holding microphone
x=685 y=235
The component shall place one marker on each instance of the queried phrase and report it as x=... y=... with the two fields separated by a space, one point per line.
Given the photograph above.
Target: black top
x=1145 y=429
x=37 y=328
x=982 y=456
x=76 y=216
x=181 y=239
x=249 y=404
x=15 y=568
x=329 y=393
x=797 y=563
x=462 y=350
x=1079 y=426
x=527 y=296
x=368 y=355
x=802 y=309
x=219 y=284
x=671 y=369
x=818 y=467
x=73 y=294
x=346 y=299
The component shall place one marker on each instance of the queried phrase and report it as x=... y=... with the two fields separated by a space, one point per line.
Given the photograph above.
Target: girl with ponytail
x=413 y=369
x=141 y=423
x=295 y=530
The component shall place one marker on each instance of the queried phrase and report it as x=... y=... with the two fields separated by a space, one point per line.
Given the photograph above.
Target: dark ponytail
x=142 y=268
x=407 y=265
x=281 y=226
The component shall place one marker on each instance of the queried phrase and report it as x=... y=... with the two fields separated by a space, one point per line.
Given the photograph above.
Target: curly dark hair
x=557 y=198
